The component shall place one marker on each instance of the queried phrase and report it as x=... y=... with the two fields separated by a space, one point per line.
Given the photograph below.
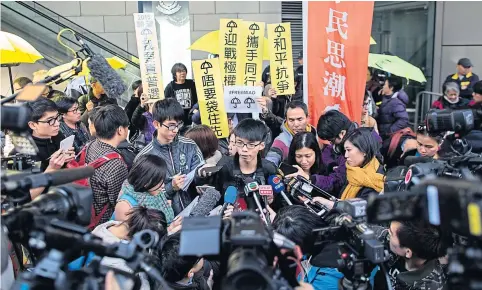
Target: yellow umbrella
x=114 y=62
x=15 y=50
x=372 y=41
x=397 y=66
x=210 y=43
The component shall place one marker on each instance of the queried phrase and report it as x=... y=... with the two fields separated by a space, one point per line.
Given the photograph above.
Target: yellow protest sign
x=229 y=43
x=149 y=58
x=281 y=58
x=250 y=53
x=207 y=76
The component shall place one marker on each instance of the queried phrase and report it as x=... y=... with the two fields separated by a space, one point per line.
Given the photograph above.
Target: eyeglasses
x=174 y=127
x=241 y=144
x=73 y=110
x=365 y=105
x=51 y=121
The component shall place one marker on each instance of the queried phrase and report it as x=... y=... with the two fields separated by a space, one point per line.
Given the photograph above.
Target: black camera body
x=245 y=248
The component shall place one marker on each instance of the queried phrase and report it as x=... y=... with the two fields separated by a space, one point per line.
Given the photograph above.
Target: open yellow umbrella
x=114 y=62
x=15 y=50
x=397 y=66
x=210 y=43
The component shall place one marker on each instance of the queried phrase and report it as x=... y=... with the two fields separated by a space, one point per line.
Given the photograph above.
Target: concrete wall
x=457 y=35
x=205 y=15
x=112 y=20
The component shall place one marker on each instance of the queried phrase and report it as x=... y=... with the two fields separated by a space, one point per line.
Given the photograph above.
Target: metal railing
x=422 y=105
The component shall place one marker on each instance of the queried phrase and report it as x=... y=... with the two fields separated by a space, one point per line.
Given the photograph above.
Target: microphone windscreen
x=230 y=195
x=112 y=83
x=276 y=183
x=70 y=175
x=206 y=203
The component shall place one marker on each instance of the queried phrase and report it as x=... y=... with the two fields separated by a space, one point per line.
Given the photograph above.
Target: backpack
x=94 y=219
x=395 y=140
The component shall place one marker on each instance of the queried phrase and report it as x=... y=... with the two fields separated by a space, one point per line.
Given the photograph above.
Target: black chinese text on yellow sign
x=209 y=87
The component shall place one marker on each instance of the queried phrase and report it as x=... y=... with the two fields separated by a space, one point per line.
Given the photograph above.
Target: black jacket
x=468 y=80
x=47 y=147
x=129 y=109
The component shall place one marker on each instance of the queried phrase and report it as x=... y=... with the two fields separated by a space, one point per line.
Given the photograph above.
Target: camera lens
x=245 y=270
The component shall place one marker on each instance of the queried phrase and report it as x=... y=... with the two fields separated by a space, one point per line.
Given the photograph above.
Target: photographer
x=142 y=120
x=416 y=248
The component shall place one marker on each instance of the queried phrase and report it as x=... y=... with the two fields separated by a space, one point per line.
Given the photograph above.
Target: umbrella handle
x=63 y=44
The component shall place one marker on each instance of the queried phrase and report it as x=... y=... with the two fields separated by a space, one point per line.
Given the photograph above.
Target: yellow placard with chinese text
x=230 y=45
x=281 y=58
x=149 y=58
x=250 y=64
x=209 y=88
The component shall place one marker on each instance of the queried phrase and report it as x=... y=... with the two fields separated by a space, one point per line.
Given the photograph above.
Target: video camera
x=454 y=206
x=246 y=249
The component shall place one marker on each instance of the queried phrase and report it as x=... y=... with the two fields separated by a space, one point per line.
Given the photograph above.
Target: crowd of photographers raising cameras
x=146 y=197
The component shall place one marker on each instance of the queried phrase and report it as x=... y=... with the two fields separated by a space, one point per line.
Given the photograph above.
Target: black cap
x=300 y=55
x=465 y=62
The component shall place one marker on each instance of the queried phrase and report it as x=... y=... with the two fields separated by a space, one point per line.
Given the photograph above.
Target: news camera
x=454 y=206
x=245 y=248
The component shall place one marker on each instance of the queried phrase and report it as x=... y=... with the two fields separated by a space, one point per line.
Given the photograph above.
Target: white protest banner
x=242 y=99
x=148 y=49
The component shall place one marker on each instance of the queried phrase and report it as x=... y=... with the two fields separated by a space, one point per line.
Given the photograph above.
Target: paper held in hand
x=242 y=99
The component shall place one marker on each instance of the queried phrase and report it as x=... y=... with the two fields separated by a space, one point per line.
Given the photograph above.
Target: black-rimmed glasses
x=51 y=121
x=173 y=127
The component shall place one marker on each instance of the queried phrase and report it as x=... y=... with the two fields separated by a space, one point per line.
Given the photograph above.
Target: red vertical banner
x=338 y=42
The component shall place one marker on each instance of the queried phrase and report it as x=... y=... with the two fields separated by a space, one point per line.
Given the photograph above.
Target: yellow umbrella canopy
x=114 y=62
x=397 y=66
x=14 y=49
x=210 y=43
x=372 y=41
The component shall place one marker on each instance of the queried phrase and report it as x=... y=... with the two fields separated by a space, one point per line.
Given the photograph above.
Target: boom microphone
x=207 y=202
x=111 y=82
x=49 y=179
x=279 y=187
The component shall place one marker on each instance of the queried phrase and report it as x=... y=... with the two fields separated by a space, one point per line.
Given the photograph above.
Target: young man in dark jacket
x=247 y=164
x=181 y=154
x=392 y=114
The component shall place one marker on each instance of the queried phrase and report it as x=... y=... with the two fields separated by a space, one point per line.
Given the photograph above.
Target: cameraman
x=414 y=264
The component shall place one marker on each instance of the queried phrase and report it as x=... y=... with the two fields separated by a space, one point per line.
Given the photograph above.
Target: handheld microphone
x=230 y=197
x=49 y=179
x=266 y=191
x=100 y=69
x=251 y=189
x=206 y=203
x=279 y=187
